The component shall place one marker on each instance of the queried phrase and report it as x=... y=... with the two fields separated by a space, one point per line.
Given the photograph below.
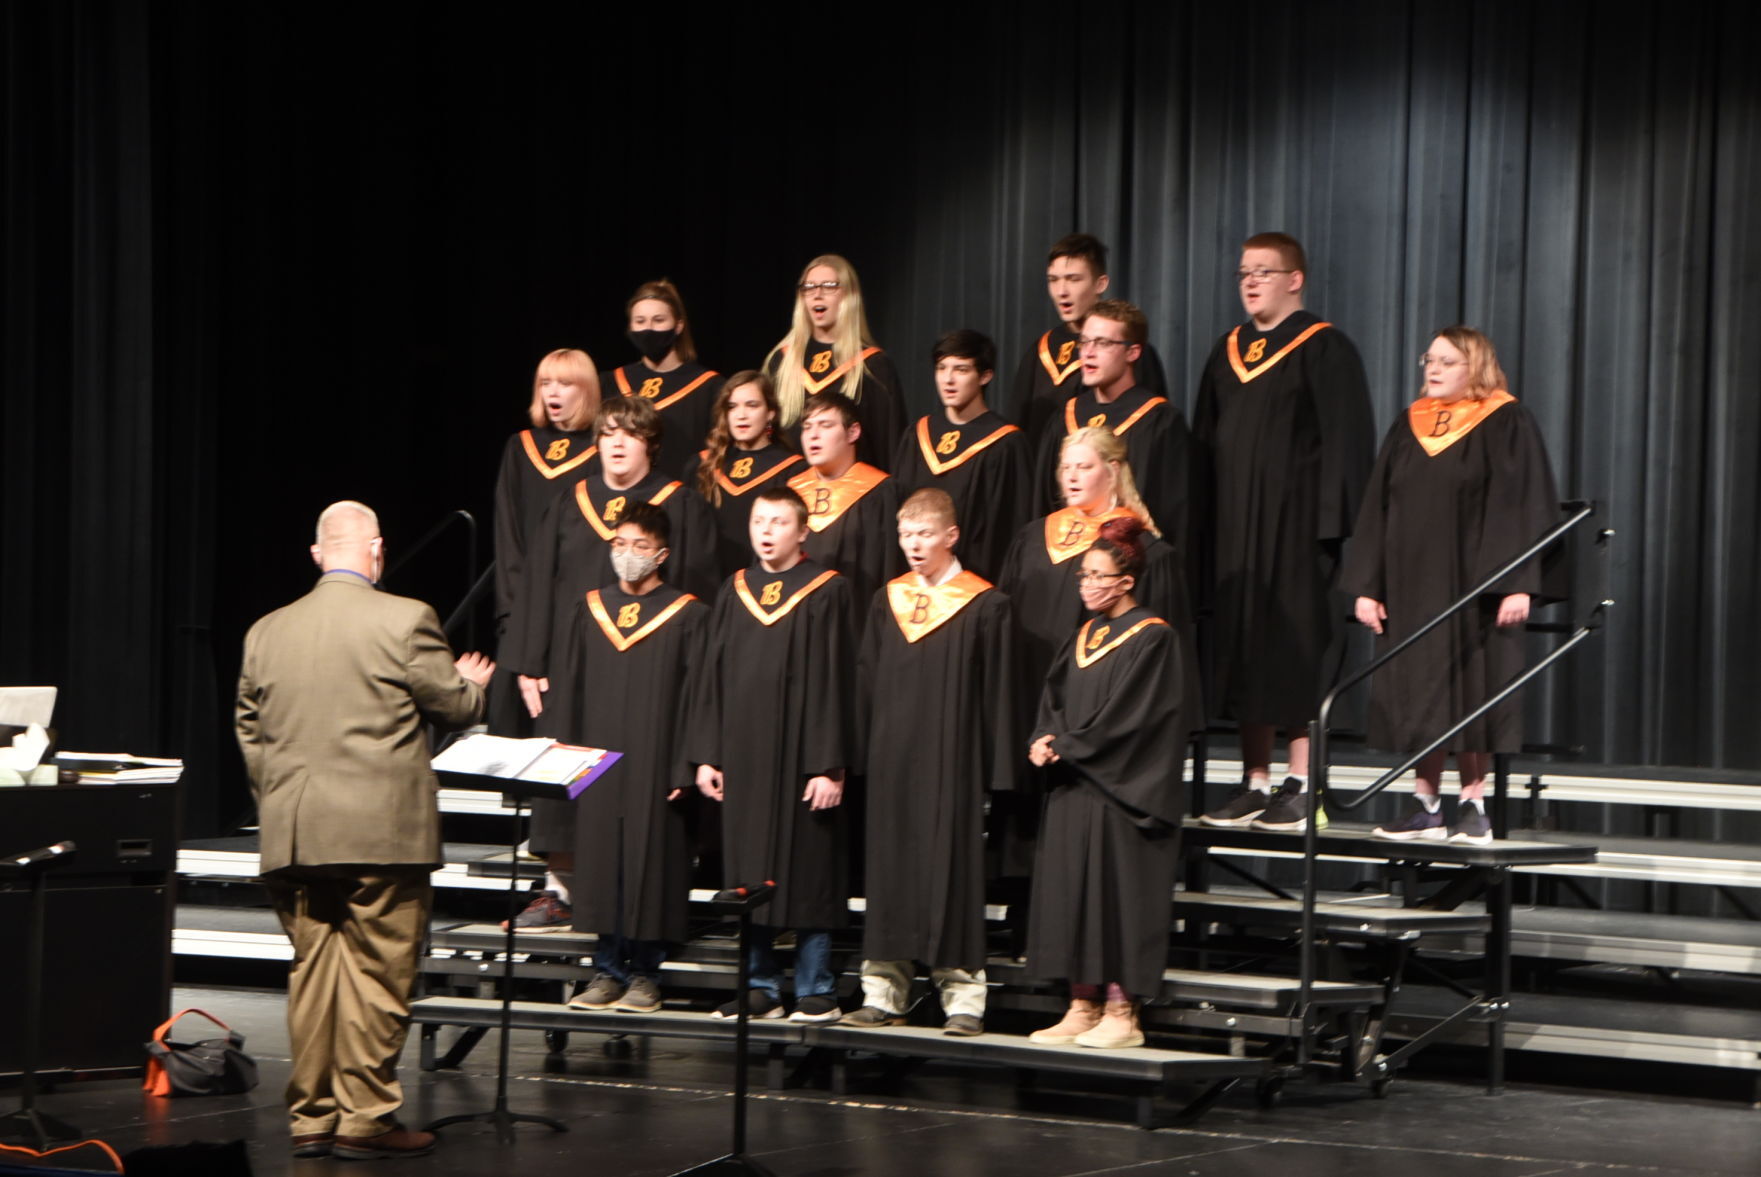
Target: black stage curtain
x=258 y=260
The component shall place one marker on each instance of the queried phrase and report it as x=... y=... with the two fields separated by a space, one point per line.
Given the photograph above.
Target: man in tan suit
x=332 y=698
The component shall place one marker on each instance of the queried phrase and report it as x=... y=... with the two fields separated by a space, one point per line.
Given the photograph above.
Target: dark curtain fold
x=257 y=263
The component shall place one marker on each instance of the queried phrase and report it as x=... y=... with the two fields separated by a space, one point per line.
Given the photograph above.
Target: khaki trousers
x=357 y=932
x=886 y=985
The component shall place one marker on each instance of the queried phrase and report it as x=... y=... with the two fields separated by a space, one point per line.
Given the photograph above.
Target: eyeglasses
x=1095 y=577
x=1441 y=361
x=1257 y=276
x=1097 y=341
x=809 y=287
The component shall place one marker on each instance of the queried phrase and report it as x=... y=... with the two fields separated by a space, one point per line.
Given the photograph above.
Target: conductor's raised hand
x=532 y=690
x=1040 y=752
x=826 y=791
x=1514 y=609
x=476 y=668
x=709 y=781
x=1372 y=613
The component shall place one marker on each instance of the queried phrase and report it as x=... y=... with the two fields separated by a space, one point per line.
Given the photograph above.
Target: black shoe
x=1242 y=807
x=871 y=1017
x=1289 y=811
x=816 y=1007
x=963 y=1026
x=759 y=1004
x=1471 y=826
x=1417 y=824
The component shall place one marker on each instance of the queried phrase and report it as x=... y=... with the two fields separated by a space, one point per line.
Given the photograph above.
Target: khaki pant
x=886 y=985
x=357 y=933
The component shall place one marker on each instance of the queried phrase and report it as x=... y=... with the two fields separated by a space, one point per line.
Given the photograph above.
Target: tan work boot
x=1118 y=1028
x=1079 y=1019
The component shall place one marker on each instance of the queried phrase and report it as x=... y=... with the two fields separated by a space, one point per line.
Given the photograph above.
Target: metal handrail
x=433 y=533
x=1581 y=509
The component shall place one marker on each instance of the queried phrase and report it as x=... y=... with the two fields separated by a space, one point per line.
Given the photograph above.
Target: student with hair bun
x=667 y=374
x=1113 y=723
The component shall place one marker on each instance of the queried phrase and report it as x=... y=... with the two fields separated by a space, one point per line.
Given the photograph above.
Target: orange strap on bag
x=215 y=1066
x=31 y=1152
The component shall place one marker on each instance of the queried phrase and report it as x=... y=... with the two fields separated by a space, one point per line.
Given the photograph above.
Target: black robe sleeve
x=693 y=558
x=1362 y=574
x=828 y=739
x=883 y=412
x=536 y=602
x=1348 y=430
x=510 y=539
x=1522 y=503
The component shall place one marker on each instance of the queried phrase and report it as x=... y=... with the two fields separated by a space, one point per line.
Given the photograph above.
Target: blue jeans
x=813 y=954
x=622 y=958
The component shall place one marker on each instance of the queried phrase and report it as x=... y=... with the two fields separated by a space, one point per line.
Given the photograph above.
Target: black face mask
x=653 y=345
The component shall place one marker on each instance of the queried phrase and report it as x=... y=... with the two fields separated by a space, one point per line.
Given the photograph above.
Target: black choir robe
x=1157 y=448
x=685 y=399
x=1433 y=525
x=571 y=554
x=632 y=668
x=1284 y=424
x=776 y=706
x=935 y=683
x=879 y=403
x=1039 y=575
x=538 y=465
x=983 y=465
x=853 y=526
x=1103 y=883
x=742 y=475
x=1051 y=373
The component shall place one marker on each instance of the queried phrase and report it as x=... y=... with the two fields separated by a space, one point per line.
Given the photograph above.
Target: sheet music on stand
x=570 y=768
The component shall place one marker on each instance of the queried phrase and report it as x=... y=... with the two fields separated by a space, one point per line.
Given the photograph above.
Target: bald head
x=348 y=539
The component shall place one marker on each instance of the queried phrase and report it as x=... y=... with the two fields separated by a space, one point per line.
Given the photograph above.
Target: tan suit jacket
x=332 y=698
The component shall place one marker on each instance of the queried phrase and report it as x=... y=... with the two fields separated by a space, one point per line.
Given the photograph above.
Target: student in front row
x=772 y=734
x=936 y=686
x=979 y=459
x=641 y=644
x=851 y=505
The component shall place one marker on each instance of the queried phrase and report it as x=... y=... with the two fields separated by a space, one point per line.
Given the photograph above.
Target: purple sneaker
x=1417 y=825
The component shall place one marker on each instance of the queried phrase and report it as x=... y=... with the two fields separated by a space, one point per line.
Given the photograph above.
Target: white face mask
x=634 y=567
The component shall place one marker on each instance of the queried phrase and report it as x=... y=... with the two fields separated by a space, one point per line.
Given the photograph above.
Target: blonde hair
x=849 y=337
x=1109 y=449
x=1484 y=375
x=930 y=504
x=575 y=366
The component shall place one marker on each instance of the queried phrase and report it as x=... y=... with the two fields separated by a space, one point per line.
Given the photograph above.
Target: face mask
x=1114 y=591
x=653 y=345
x=634 y=567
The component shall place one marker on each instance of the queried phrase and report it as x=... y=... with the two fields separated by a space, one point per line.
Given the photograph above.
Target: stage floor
x=655 y=1114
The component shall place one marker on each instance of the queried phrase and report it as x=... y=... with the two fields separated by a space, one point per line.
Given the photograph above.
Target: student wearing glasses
x=1111 y=344
x=829 y=349
x=1283 y=423
x=1461 y=486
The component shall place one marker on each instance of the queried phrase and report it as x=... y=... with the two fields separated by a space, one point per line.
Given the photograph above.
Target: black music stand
x=738 y=901
x=27 y=1123
x=521 y=792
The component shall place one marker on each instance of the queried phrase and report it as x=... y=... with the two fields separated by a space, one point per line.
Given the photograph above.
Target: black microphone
x=40 y=855
x=747 y=893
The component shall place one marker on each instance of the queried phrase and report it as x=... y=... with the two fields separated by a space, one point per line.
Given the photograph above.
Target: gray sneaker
x=642 y=997
x=871 y=1017
x=963 y=1026
x=603 y=993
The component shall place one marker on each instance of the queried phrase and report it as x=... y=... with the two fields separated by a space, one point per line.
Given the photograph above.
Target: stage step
x=1616 y=937
x=1661 y=860
x=1355 y=842
x=1373 y=917
x=1656 y=1031
x=236 y=859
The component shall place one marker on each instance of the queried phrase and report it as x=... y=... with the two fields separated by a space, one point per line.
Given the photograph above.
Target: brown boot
x=1080 y=1018
x=1118 y=1028
x=398 y=1142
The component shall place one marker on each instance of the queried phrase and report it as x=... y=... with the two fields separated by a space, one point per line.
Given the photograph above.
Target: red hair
x=1122 y=540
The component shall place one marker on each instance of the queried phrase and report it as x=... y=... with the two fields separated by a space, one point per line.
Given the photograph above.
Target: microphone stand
x=740 y=901
x=27 y=1123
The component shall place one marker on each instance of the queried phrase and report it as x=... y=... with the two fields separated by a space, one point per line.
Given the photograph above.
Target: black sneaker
x=1471 y=826
x=817 y=1007
x=642 y=997
x=759 y=1004
x=603 y=993
x=1289 y=811
x=1417 y=824
x=546 y=913
x=1246 y=804
x=871 y=1017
